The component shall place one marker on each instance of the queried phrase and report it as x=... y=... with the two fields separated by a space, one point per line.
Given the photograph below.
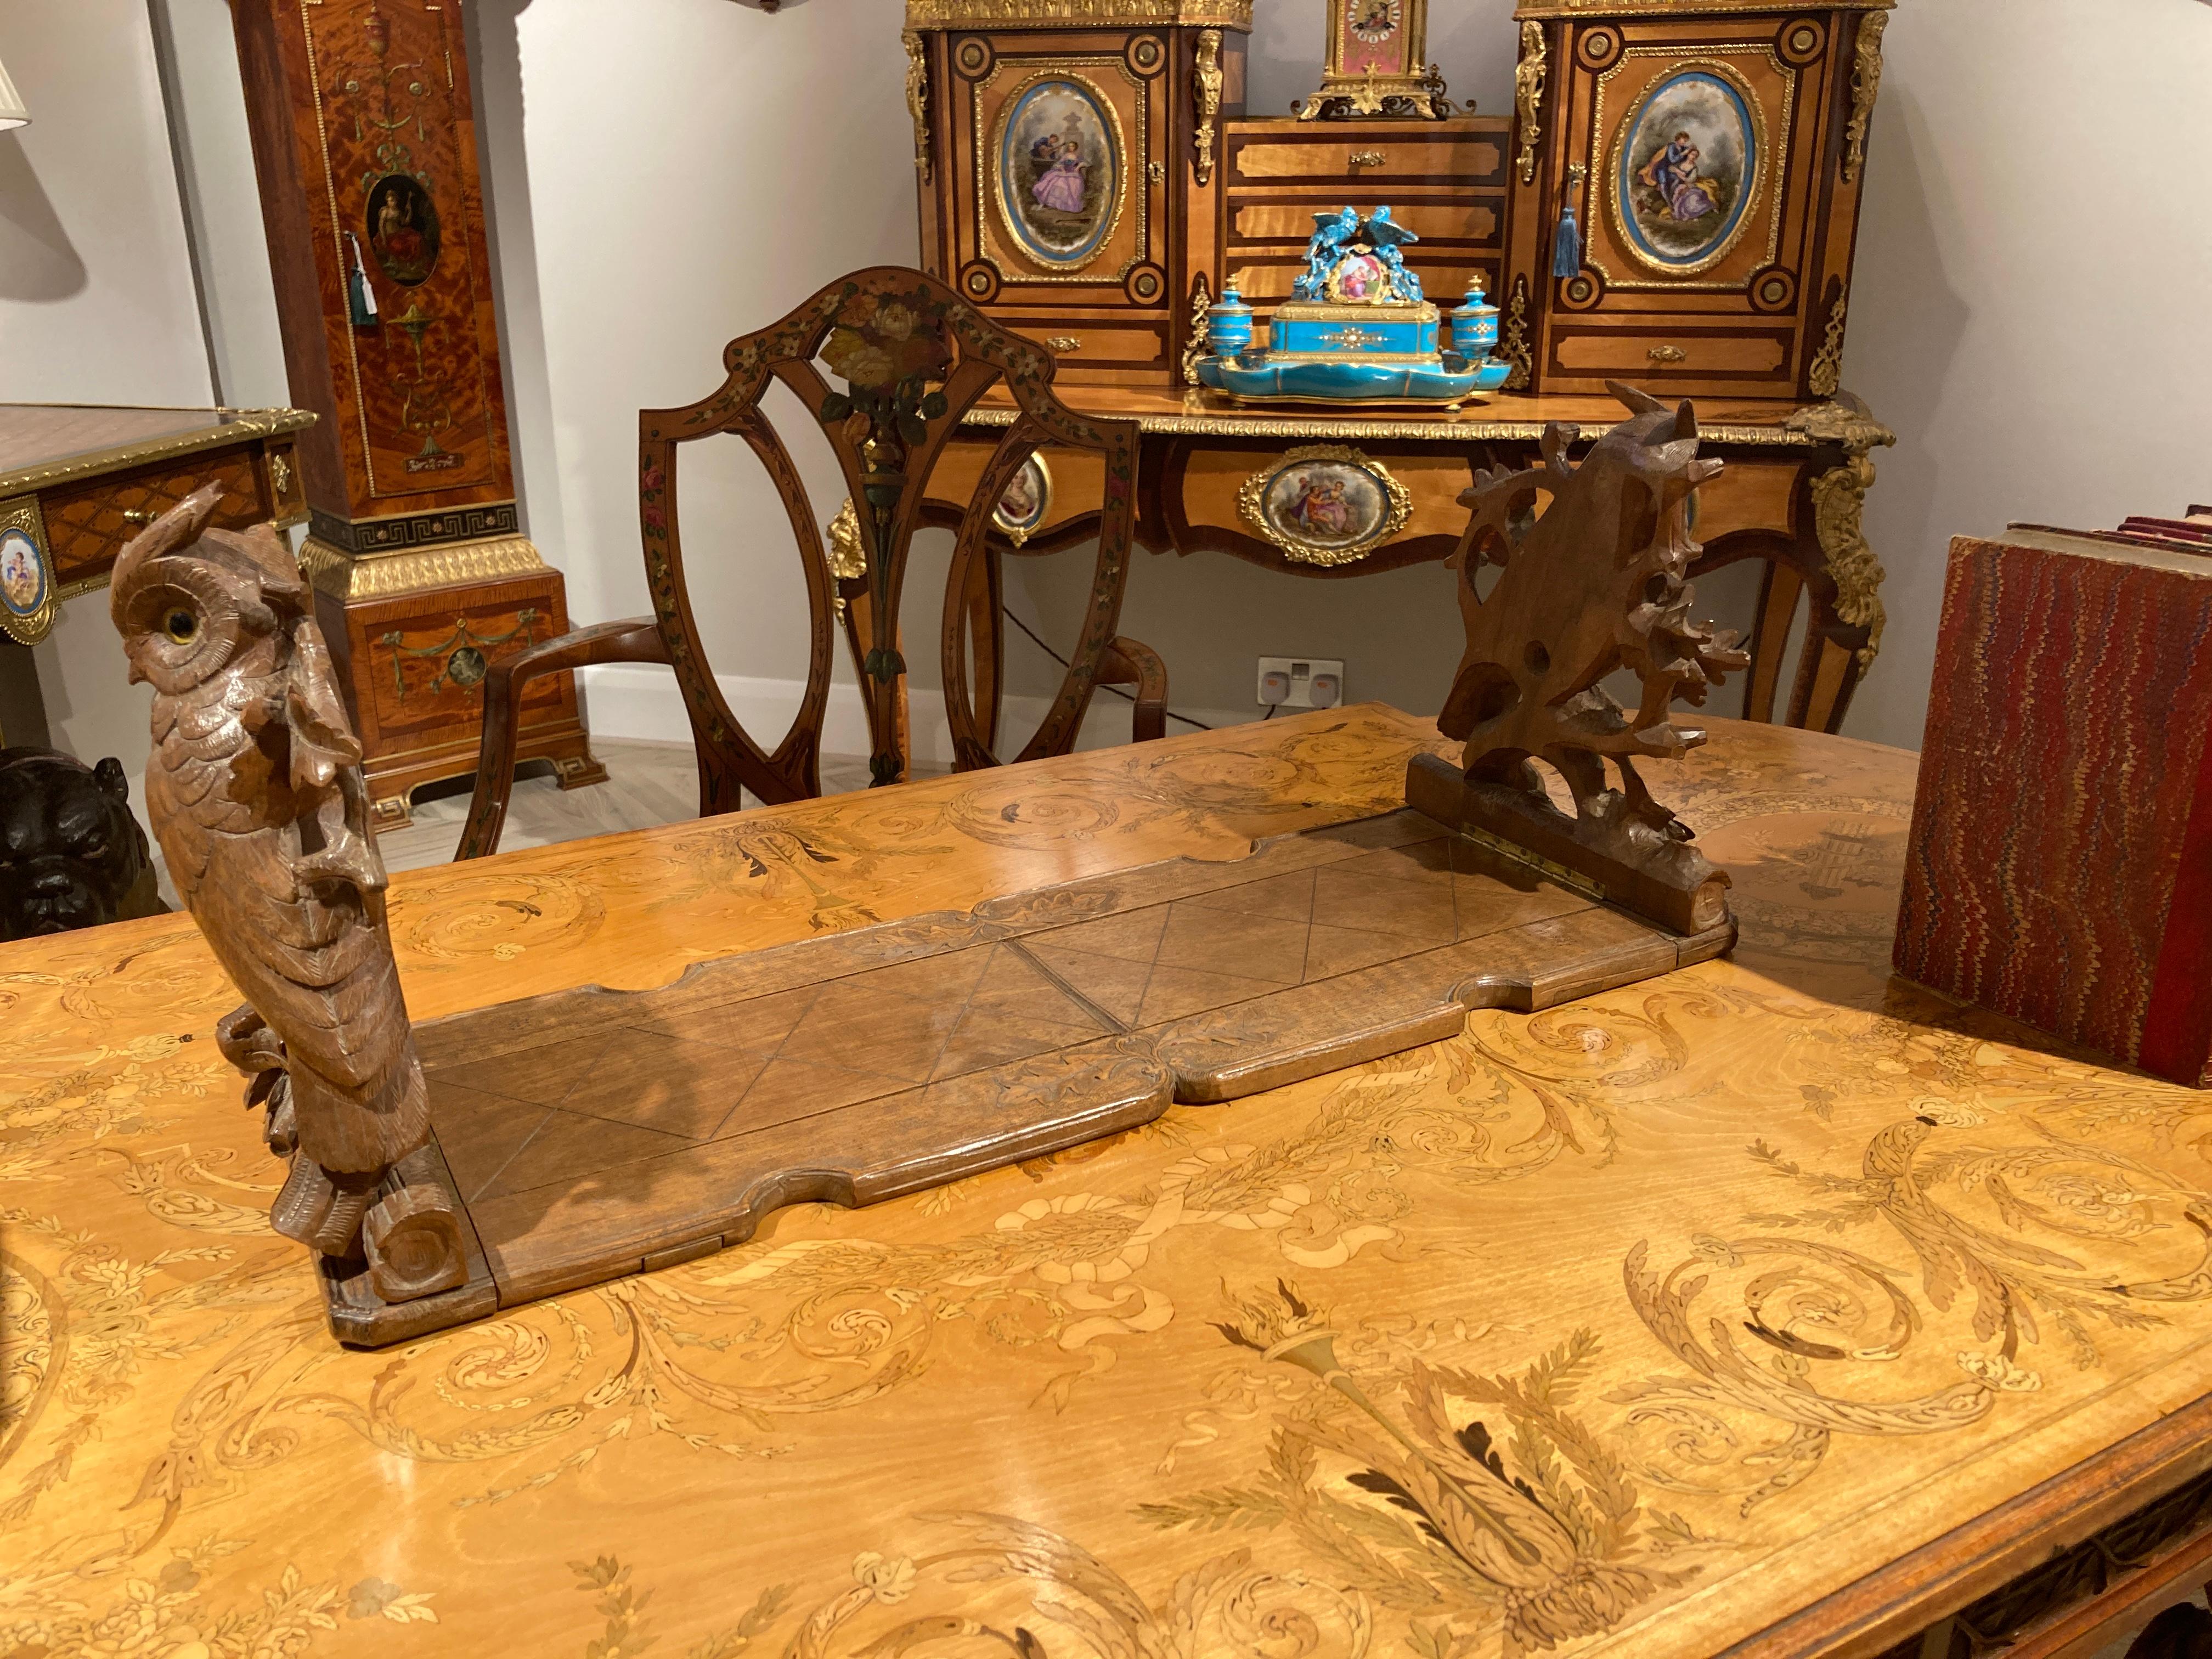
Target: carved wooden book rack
x=556 y=1142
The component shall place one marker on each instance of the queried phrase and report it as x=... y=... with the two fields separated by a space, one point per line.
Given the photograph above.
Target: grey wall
x=96 y=293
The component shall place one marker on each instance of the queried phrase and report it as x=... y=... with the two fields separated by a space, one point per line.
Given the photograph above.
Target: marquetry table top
x=1661 y=1322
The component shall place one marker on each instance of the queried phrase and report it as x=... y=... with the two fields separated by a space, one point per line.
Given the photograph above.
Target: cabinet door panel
x=1064 y=200
x=1690 y=151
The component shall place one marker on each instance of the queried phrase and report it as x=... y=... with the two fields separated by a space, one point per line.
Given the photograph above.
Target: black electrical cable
x=1115 y=689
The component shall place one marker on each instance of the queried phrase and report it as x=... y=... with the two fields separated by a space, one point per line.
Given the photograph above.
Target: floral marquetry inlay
x=1631 y=1328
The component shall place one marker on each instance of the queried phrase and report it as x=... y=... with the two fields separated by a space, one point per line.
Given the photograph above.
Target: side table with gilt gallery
x=1215 y=476
x=77 y=480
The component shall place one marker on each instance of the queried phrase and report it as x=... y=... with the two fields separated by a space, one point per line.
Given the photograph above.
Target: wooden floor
x=648 y=784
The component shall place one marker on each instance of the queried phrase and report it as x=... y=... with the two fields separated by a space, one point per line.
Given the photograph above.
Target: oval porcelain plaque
x=1060 y=171
x=1686 y=170
x=403 y=229
x=22 y=572
x=1027 y=499
x=1325 y=505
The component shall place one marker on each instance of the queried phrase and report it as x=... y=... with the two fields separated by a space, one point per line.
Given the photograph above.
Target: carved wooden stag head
x=1597 y=584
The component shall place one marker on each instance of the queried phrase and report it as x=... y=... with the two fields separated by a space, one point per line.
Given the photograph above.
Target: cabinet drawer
x=1452 y=223
x=1742 y=354
x=1344 y=155
x=420 y=658
x=88 y=524
x=1123 y=343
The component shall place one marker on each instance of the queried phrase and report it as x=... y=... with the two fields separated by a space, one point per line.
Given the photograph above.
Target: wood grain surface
x=592 y=1133
x=1661 y=1324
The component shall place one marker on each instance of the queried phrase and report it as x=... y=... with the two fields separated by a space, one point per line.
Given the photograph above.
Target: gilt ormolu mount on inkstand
x=487 y=1159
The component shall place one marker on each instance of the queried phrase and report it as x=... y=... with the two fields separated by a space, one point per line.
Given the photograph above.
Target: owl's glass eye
x=181 y=626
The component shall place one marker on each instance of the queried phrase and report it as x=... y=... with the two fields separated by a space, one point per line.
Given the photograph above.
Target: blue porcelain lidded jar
x=1475 y=324
x=1229 y=324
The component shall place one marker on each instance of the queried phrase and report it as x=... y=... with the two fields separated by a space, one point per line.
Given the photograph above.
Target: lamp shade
x=12 y=112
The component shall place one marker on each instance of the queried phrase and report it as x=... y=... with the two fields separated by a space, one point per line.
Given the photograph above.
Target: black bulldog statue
x=71 y=855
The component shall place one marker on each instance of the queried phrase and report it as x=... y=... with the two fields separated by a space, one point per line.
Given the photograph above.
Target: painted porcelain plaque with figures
x=1686 y=168
x=27 y=588
x=1058 y=170
x=1026 y=502
x=1326 y=505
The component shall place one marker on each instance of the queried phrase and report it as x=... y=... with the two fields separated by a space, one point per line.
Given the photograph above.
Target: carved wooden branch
x=1594 y=585
x=255 y=790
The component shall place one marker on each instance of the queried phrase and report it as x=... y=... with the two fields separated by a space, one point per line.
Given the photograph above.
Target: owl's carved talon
x=340 y=1233
x=304 y=1203
x=322 y=1208
x=245 y=1041
x=282 y=1128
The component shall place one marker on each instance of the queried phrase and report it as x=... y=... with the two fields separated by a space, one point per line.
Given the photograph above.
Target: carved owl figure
x=256 y=793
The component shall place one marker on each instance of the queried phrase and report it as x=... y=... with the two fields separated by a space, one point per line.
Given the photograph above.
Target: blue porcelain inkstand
x=1357 y=329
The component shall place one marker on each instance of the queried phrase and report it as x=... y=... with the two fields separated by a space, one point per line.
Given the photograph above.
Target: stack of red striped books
x=2060 y=869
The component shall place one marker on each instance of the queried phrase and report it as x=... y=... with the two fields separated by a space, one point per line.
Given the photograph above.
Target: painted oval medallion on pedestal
x=403 y=229
x=1059 y=170
x=1687 y=169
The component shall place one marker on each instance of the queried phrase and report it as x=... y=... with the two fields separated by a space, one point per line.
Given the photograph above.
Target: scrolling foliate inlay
x=1626 y=1326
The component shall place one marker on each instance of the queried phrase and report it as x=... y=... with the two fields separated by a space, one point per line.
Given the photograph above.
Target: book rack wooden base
x=591 y=1133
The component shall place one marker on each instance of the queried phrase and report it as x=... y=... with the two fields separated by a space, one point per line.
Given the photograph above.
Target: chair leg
x=635 y=639
x=1130 y=662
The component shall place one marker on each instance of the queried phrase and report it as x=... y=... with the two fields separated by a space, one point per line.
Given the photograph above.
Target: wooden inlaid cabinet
x=1070 y=160
x=1711 y=156
x=1708 y=153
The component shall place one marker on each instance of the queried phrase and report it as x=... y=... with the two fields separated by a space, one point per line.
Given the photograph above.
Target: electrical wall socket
x=1301 y=682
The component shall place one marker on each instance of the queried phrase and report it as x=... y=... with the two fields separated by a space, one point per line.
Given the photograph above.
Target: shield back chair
x=914 y=357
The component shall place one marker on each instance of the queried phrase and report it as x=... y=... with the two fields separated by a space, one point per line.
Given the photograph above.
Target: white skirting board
x=641 y=702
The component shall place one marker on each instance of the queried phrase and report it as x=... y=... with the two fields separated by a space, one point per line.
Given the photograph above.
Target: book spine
x=2177 y=1037
x=2060 y=867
